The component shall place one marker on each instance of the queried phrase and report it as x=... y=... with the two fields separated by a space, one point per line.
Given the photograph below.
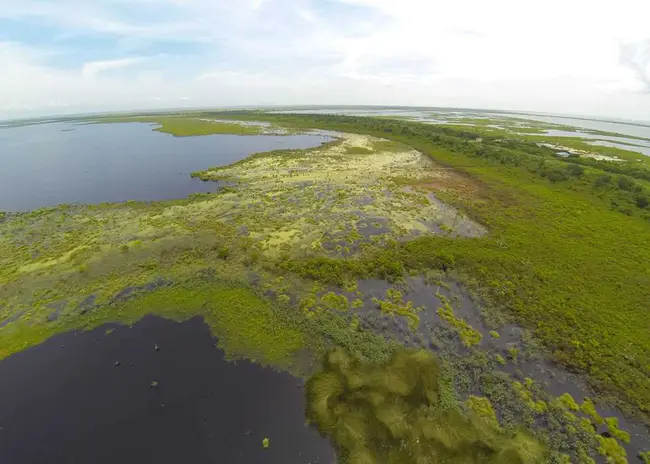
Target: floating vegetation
x=612 y=427
x=568 y=402
x=395 y=306
x=467 y=333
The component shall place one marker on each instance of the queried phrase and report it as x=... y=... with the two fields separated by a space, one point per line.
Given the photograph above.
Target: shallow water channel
x=158 y=392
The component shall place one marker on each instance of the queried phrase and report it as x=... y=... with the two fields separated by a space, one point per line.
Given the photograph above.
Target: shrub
x=557 y=175
x=575 y=170
x=223 y=253
x=625 y=183
x=332 y=300
x=642 y=201
x=602 y=180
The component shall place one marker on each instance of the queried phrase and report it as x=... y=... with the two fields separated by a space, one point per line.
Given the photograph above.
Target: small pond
x=88 y=397
x=51 y=164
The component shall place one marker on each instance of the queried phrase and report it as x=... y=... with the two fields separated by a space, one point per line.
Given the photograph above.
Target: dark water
x=65 y=401
x=51 y=164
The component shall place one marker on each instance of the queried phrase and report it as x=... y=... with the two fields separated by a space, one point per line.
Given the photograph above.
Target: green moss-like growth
x=389 y=413
x=468 y=334
x=482 y=408
x=589 y=409
x=612 y=450
x=568 y=402
x=645 y=457
x=494 y=334
x=332 y=300
x=394 y=305
x=526 y=394
x=612 y=426
x=266 y=443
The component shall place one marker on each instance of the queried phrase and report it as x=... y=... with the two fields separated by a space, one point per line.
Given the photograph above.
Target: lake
x=51 y=164
x=66 y=401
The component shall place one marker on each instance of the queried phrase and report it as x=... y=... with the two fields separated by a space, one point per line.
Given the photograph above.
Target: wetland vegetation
x=474 y=243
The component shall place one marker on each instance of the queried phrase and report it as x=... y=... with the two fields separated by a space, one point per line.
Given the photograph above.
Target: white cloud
x=574 y=57
x=93 y=68
x=636 y=57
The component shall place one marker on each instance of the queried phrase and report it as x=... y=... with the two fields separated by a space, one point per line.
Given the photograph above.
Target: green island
x=276 y=263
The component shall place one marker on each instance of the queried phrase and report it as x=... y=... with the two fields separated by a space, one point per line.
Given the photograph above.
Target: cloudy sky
x=568 y=56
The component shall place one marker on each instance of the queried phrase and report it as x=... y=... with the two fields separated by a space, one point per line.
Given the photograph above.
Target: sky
x=570 y=56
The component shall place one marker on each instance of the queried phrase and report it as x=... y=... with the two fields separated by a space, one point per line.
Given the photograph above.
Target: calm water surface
x=51 y=164
x=65 y=401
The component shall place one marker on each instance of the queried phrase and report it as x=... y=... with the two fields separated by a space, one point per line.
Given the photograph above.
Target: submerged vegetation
x=394 y=414
x=275 y=263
